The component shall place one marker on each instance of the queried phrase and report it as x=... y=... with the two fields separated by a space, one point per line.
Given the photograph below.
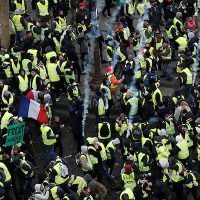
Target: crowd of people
x=154 y=141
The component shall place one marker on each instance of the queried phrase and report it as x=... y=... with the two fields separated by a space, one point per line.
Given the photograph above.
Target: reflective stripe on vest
x=101 y=107
x=6 y=172
x=15 y=67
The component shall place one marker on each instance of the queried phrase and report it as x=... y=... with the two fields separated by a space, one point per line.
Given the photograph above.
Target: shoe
x=57 y=99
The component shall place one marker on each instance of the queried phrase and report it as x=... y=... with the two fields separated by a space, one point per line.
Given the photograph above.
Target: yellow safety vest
x=53 y=75
x=198 y=152
x=178 y=21
x=93 y=159
x=75 y=93
x=184 y=151
x=182 y=43
x=43 y=8
x=89 y=162
x=169 y=34
x=121 y=55
x=101 y=107
x=193 y=183
x=58 y=27
x=58 y=178
x=44 y=130
x=162 y=152
x=11 y=99
x=24 y=171
x=109 y=59
x=154 y=96
x=112 y=146
x=169 y=56
x=17 y=22
x=81 y=183
x=6 y=172
x=53 y=191
x=103 y=152
x=23 y=83
x=99 y=131
x=33 y=84
x=69 y=74
x=134 y=105
x=83 y=26
x=131 y=9
x=7 y=70
x=20 y=6
x=189 y=76
x=6 y=119
x=142 y=168
x=15 y=67
x=175 y=175
x=35 y=35
x=63 y=23
x=170 y=127
x=57 y=44
x=108 y=93
x=25 y=63
x=129 y=180
x=129 y=192
x=140 y=8
x=42 y=72
x=49 y=55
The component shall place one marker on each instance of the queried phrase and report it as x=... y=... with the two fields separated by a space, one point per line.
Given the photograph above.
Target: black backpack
x=104 y=130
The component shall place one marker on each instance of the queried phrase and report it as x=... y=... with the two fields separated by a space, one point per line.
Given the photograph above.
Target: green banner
x=15 y=134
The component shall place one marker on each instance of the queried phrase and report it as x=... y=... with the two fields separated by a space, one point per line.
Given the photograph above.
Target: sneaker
x=57 y=99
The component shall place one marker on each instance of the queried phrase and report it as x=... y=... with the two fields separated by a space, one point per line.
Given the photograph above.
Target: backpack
x=151 y=77
x=95 y=102
x=104 y=130
x=63 y=170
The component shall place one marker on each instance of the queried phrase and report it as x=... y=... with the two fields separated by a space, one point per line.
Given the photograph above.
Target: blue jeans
x=49 y=154
x=166 y=70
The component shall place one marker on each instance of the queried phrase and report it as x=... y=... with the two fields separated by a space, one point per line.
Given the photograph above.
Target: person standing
x=108 y=4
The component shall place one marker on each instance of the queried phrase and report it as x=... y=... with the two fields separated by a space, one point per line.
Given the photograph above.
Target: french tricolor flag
x=32 y=109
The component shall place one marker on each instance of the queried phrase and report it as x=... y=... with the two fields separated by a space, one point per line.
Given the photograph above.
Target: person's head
x=61 y=13
x=109 y=70
x=33 y=72
x=82 y=22
x=56 y=118
x=22 y=72
x=1 y=83
x=190 y=18
x=179 y=15
x=81 y=6
x=61 y=57
x=42 y=1
x=84 y=149
x=165 y=44
x=122 y=117
x=29 y=34
x=53 y=59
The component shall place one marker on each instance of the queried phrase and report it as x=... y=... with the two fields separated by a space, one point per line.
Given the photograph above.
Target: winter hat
x=81 y=5
x=163 y=132
x=164 y=163
x=84 y=149
x=109 y=69
x=178 y=14
x=17 y=12
x=7 y=56
x=116 y=141
x=190 y=35
x=128 y=168
x=179 y=138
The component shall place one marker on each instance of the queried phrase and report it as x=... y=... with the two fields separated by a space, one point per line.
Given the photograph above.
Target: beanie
x=84 y=149
x=128 y=168
x=190 y=35
x=81 y=5
x=109 y=69
x=178 y=14
x=179 y=138
x=116 y=141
